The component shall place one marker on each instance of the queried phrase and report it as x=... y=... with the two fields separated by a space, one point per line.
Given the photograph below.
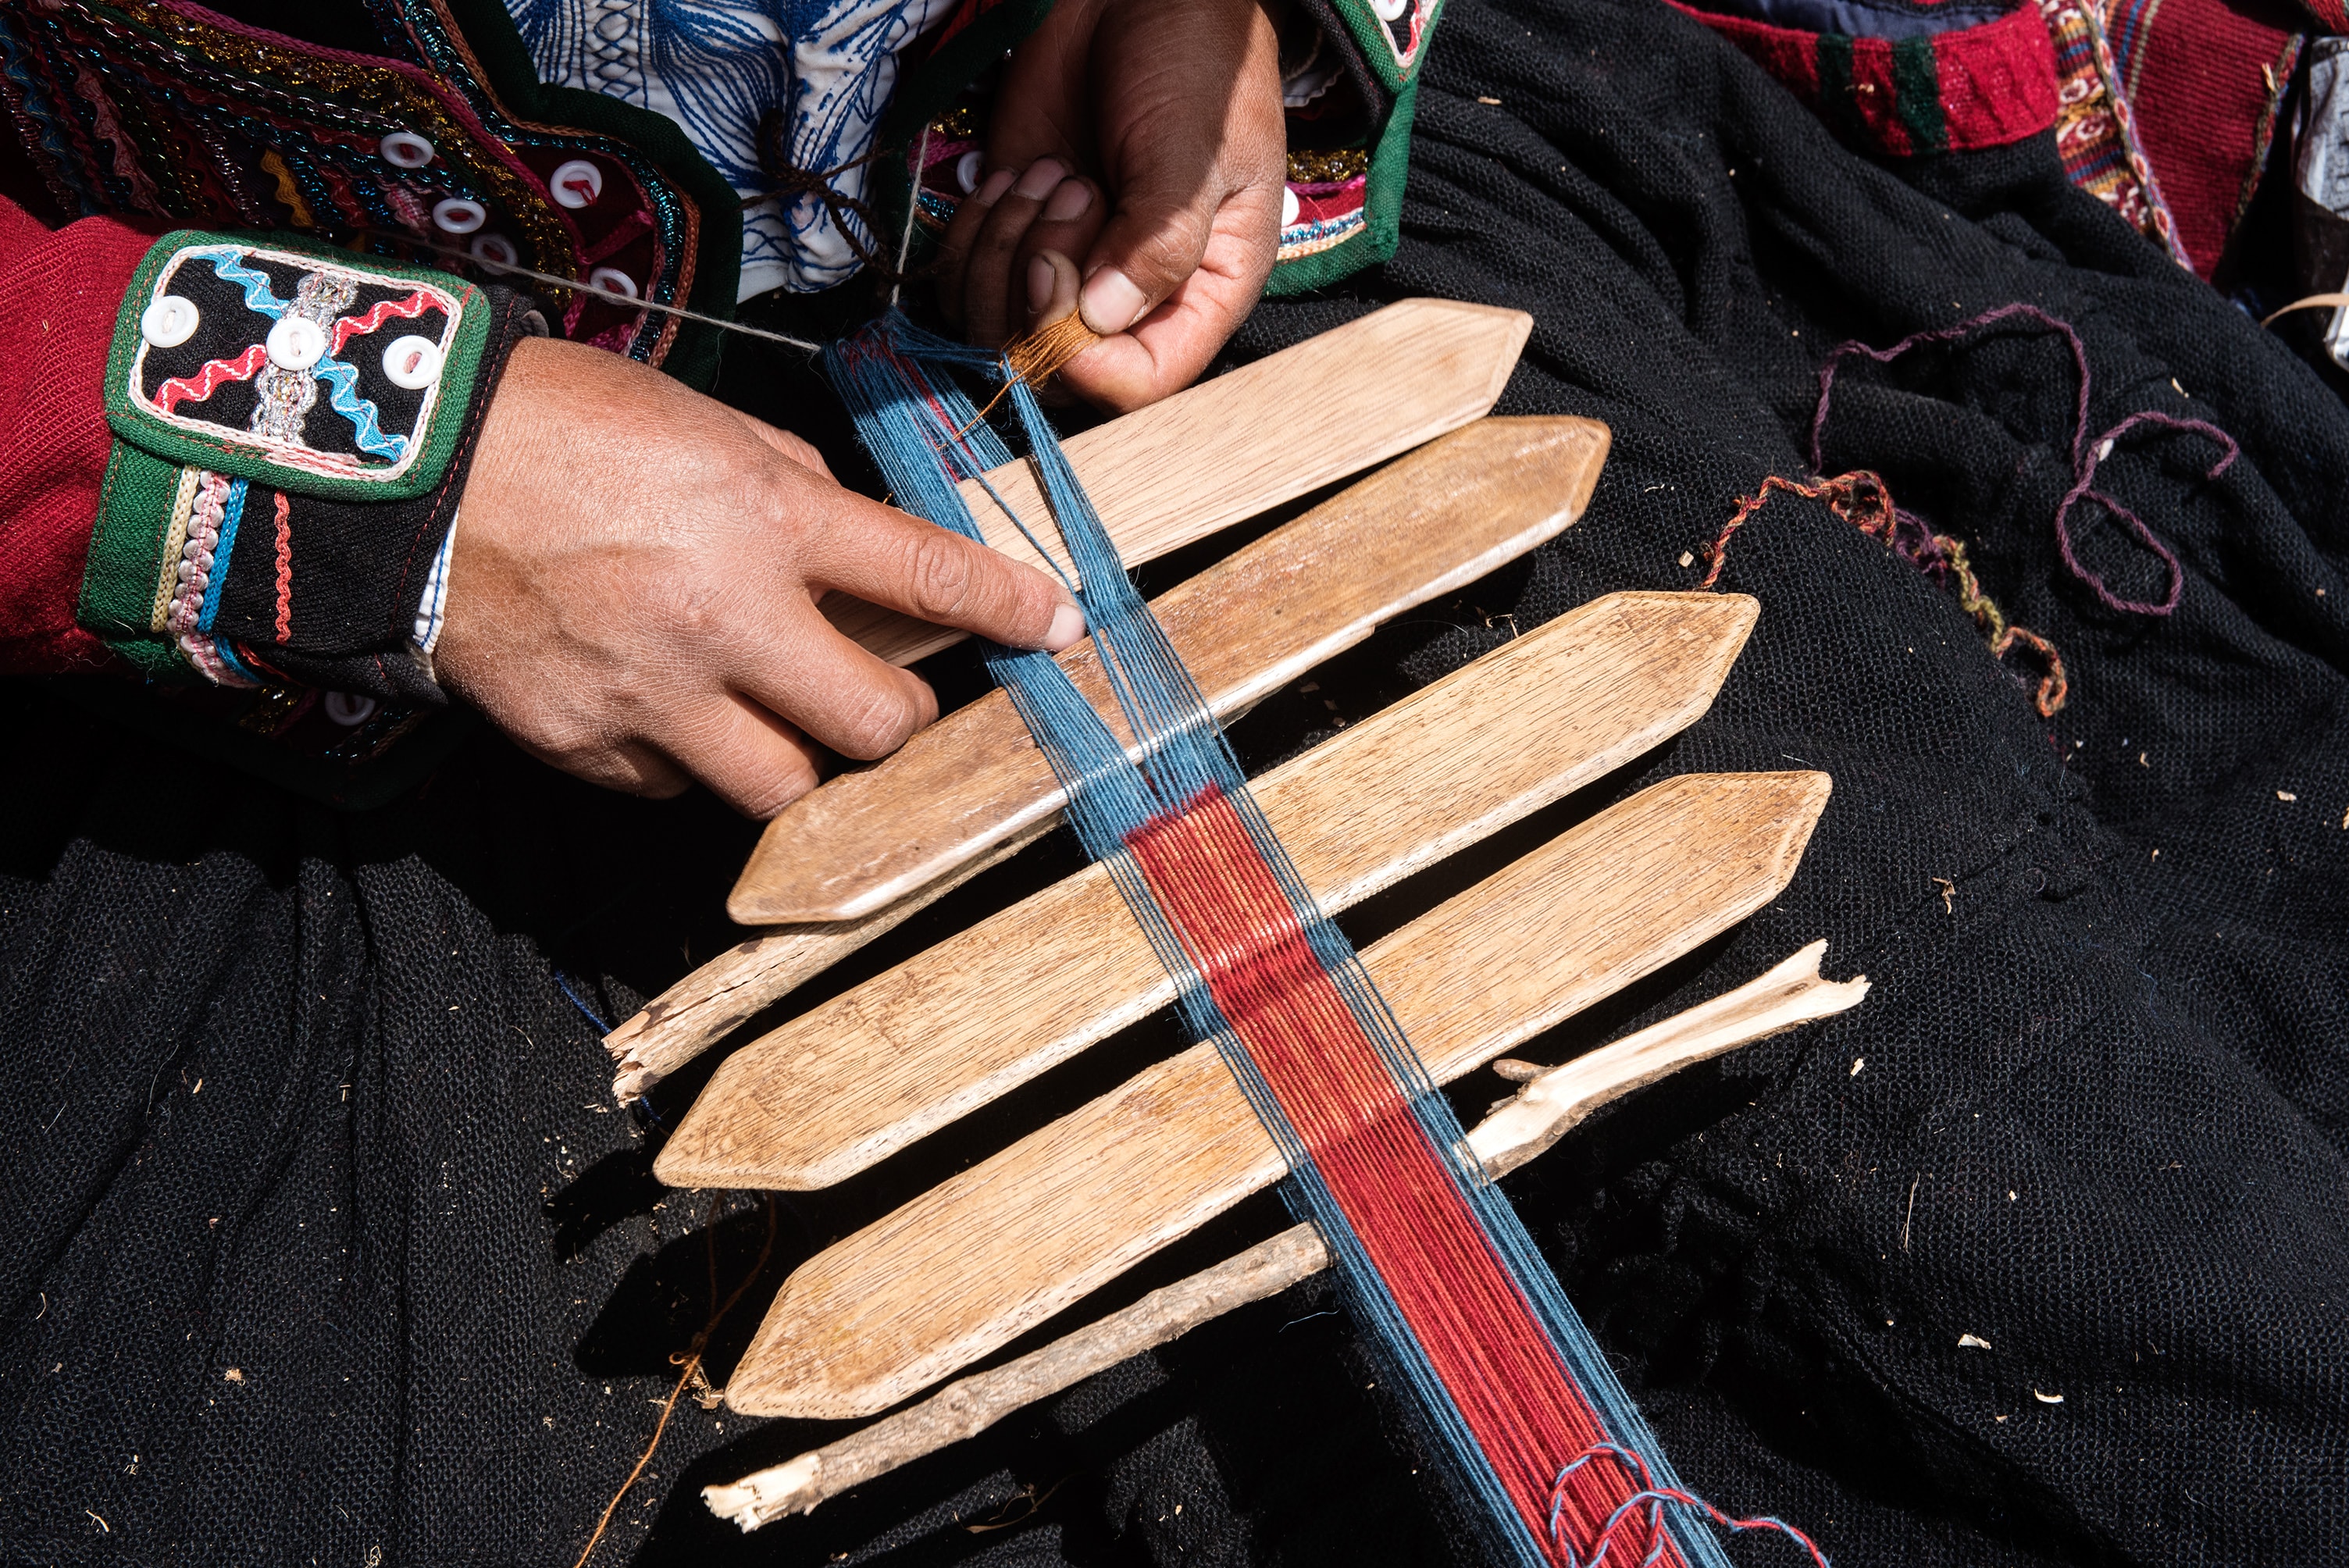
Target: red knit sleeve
x=59 y=291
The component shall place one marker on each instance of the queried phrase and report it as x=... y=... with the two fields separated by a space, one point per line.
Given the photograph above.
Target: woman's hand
x=632 y=590
x=1173 y=106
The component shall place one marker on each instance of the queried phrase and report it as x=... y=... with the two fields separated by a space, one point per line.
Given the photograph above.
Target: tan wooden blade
x=1451 y=501
x=851 y=1082
x=1553 y=1103
x=1443 y=516
x=998 y=1248
x=1228 y=449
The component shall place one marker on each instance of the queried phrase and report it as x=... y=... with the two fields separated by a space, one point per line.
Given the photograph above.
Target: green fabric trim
x=1377 y=46
x=1381 y=208
x=694 y=352
x=156 y=658
x=1916 y=95
x=126 y=548
x=224 y=453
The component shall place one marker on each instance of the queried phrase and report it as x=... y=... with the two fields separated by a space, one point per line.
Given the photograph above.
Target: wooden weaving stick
x=1440 y=517
x=1002 y=1246
x=1224 y=450
x=1544 y=1110
x=973 y=789
x=872 y=1070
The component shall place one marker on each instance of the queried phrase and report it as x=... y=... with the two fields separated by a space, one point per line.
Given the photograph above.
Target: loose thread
x=913 y=206
x=1037 y=358
x=690 y=1359
x=1861 y=498
x=1651 y=1499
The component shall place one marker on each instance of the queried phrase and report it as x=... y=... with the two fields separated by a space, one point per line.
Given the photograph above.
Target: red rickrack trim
x=415 y=304
x=196 y=388
x=1650 y=1500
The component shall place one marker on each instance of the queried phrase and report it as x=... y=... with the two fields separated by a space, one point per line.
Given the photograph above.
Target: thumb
x=1150 y=245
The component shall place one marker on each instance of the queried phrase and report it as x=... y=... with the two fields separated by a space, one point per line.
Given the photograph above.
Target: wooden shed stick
x=1543 y=1110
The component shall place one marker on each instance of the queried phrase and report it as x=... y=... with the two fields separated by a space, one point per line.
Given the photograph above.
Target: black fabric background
x=301 y=1096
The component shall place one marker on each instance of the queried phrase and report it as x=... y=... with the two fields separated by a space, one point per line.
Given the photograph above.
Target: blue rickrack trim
x=232 y=514
x=258 y=295
x=342 y=380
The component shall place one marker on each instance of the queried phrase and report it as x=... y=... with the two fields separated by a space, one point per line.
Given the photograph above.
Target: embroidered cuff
x=293 y=428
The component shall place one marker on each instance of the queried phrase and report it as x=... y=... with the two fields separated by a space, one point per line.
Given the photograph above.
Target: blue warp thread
x=925 y=436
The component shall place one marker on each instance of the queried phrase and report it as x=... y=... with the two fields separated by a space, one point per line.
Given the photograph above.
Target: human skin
x=1144 y=139
x=634 y=587
x=632 y=590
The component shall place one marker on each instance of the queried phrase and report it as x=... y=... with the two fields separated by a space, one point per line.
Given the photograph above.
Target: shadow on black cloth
x=326 y=1247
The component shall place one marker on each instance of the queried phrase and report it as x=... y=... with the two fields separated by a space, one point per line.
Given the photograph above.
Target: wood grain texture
x=849 y=1083
x=1439 y=518
x=1227 y=449
x=707 y=1005
x=1551 y=1103
x=1000 y=1247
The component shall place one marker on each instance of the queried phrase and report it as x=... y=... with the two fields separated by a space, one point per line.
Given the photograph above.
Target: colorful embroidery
x=2094 y=136
x=245 y=299
x=159 y=106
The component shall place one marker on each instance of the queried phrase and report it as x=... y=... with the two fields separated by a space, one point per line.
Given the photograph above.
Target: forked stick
x=1542 y=1111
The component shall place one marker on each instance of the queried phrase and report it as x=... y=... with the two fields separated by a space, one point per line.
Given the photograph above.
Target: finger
x=1069 y=224
x=1053 y=284
x=962 y=229
x=835 y=692
x=991 y=317
x=1168 y=349
x=748 y=757
x=902 y=563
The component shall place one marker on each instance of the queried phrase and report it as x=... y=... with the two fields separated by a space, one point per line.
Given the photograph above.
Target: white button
x=349 y=708
x=296 y=342
x=494 y=249
x=458 y=216
x=412 y=362
x=614 y=279
x=405 y=150
x=1288 y=208
x=966 y=170
x=1390 y=10
x=170 y=322
x=576 y=184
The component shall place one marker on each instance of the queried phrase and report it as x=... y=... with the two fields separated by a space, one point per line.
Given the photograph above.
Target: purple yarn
x=2086 y=456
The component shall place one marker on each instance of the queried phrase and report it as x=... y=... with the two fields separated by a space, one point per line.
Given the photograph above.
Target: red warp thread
x=1399 y=1194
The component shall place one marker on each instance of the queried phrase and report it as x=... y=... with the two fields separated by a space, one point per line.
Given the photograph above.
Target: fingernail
x=1070 y=202
x=1041 y=176
x=1111 y=302
x=989 y=194
x=1040 y=283
x=1068 y=626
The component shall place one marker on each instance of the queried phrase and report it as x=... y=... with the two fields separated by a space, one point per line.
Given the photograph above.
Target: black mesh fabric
x=326 y=1247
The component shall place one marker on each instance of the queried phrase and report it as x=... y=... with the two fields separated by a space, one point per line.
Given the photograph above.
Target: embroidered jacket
x=257 y=466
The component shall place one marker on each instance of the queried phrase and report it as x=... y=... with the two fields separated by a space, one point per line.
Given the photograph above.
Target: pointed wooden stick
x=1003 y=1245
x=1438 y=519
x=1228 y=449
x=974 y=785
x=851 y=1082
x=1543 y=1111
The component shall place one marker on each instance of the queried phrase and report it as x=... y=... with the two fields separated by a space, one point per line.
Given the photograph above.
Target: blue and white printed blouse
x=718 y=68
